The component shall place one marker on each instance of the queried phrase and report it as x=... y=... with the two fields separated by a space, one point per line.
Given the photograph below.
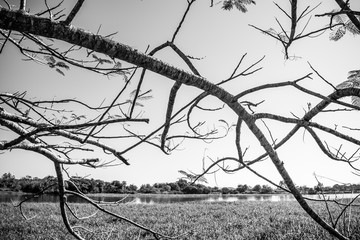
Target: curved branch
x=169 y=110
x=111 y=105
x=87 y=199
x=325 y=150
x=62 y=201
x=40 y=147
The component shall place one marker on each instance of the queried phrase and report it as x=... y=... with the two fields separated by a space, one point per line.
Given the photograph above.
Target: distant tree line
x=29 y=184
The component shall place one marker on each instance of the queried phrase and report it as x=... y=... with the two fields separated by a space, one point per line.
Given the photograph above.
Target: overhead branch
x=182 y=20
x=111 y=106
x=11 y=20
x=73 y=12
x=305 y=120
x=11 y=122
x=174 y=91
x=344 y=7
x=287 y=38
x=169 y=110
x=294 y=20
x=325 y=150
x=142 y=76
x=247 y=165
x=22 y=5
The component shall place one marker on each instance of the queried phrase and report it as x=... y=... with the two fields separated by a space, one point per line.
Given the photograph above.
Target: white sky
x=220 y=38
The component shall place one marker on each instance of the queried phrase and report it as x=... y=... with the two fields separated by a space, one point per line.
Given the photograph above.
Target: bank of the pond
x=166 y=198
x=209 y=220
x=180 y=198
x=149 y=198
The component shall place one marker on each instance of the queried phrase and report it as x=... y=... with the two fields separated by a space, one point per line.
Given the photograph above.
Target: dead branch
x=73 y=12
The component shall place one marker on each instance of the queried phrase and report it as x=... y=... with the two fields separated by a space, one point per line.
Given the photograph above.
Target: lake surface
x=167 y=198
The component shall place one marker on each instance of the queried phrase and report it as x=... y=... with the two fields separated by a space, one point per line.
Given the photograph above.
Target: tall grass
x=237 y=220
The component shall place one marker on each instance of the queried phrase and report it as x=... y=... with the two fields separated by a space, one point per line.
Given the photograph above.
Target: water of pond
x=168 y=198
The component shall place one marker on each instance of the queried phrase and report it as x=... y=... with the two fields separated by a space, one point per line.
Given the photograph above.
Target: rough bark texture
x=17 y=21
x=62 y=200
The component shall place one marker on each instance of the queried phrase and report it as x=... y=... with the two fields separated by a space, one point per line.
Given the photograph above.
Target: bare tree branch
x=73 y=12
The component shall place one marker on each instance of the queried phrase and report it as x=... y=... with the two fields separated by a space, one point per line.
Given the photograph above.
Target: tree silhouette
x=35 y=122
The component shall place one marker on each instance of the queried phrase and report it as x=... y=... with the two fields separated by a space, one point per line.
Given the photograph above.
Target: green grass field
x=237 y=220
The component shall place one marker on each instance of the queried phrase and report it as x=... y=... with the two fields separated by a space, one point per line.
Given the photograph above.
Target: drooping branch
x=157 y=235
x=241 y=160
x=325 y=150
x=63 y=200
x=176 y=86
x=33 y=134
x=162 y=46
x=169 y=111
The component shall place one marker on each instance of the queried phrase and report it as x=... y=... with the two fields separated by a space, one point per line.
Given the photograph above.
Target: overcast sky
x=219 y=38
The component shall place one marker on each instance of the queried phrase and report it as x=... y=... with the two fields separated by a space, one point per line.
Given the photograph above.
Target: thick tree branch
x=351 y=16
x=169 y=111
x=13 y=20
x=22 y=5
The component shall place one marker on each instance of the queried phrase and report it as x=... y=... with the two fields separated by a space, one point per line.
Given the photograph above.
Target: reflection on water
x=254 y=197
x=158 y=199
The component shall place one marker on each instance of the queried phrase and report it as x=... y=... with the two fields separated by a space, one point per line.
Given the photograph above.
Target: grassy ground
x=237 y=220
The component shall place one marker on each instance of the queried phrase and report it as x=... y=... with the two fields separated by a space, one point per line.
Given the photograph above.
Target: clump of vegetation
x=30 y=184
x=236 y=220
